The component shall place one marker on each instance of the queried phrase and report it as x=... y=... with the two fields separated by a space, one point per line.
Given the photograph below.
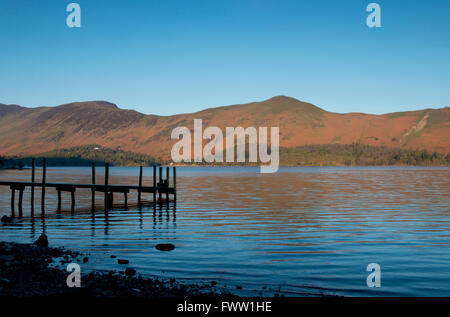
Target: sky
x=169 y=57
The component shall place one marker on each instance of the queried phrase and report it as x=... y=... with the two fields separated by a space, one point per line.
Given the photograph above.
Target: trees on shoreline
x=355 y=154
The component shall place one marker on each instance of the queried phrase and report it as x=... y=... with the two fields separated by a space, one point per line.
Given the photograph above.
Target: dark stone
x=165 y=247
x=42 y=241
x=122 y=261
x=129 y=271
x=113 y=257
x=85 y=259
x=4 y=281
x=6 y=219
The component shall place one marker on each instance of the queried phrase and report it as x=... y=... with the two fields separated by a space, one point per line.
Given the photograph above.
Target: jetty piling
x=93 y=188
x=160 y=182
x=106 y=186
x=20 y=202
x=140 y=186
x=154 y=184
x=13 y=193
x=58 y=209
x=33 y=175
x=167 y=179
x=174 y=183
x=44 y=172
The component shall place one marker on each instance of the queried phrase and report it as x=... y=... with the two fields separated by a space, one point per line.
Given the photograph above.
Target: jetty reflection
x=159 y=216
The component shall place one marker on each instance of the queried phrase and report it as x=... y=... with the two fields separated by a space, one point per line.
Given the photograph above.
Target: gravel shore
x=28 y=270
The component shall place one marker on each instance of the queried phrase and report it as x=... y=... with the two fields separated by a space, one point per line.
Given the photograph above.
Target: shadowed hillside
x=26 y=131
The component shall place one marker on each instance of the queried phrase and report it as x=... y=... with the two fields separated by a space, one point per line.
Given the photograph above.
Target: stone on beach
x=42 y=241
x=20 y=262
x=129 y=271
x=165 y=247
x=6 y=219
x=123 y=261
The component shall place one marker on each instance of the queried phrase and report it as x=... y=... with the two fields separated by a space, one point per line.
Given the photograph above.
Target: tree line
x=81 y=156
x=359 y=154
x=355 y=154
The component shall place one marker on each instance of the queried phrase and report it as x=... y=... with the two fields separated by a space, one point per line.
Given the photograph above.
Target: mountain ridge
x=278 y=97
x=26 y=131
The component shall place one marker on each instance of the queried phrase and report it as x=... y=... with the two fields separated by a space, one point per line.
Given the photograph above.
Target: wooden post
x=72 y=194
x=93 y=189
x=174 y=183
x=140 y=185
x=33 y=167
x=160 y=181
x=154 y=184
x=167 y=178
x=106 y=185
x=13 y=194
x=44 y=175
x=20 y=202
x=59 y=201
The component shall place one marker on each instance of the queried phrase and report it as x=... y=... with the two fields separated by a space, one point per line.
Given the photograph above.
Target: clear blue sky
x=167 y=57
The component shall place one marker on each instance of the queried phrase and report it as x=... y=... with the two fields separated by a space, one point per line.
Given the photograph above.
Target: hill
x=26 y=131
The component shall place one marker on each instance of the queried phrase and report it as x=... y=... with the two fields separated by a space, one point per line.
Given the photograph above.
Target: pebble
x=6 y=219
x=165 y=247
x=130 y=271
x=4 y=280
x=42 y=241
x=123 y=261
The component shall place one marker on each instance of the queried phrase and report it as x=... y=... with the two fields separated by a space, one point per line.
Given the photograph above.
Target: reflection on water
x=297 y=232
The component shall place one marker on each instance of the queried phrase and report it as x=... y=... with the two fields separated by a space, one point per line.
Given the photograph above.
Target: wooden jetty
x=159 y=188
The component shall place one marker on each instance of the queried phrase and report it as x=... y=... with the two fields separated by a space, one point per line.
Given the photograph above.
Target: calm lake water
x=301 y=231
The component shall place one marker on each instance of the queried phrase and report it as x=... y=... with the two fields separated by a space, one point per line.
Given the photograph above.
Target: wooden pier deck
x=158 y=188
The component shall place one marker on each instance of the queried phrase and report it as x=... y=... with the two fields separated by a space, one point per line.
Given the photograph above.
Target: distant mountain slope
x=26 y=131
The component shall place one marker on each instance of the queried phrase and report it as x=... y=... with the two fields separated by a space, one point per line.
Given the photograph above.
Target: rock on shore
x=25 y=271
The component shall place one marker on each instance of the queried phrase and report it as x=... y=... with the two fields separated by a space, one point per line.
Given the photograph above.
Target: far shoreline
x=226 y=166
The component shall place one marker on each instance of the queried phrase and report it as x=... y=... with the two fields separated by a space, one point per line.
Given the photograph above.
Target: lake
x=303 y=231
